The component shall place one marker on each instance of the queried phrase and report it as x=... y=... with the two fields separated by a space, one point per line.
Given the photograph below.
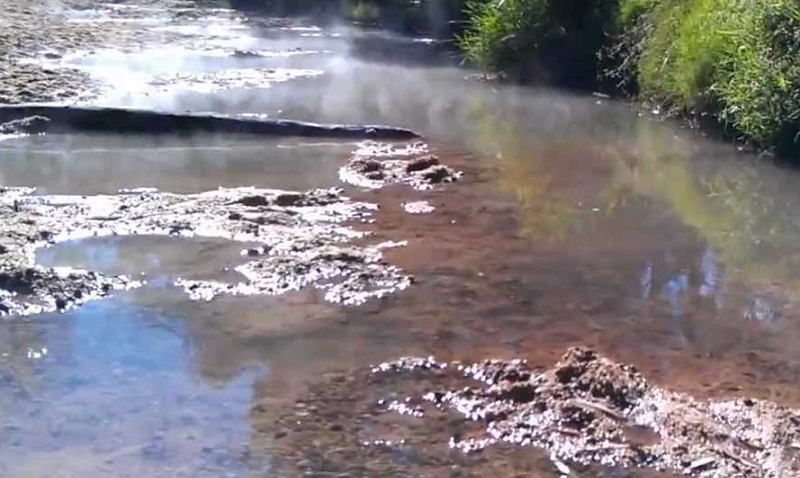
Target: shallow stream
x=578 y=221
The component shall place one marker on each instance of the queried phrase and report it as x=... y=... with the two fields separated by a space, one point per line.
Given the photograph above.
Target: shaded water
x=578 y=222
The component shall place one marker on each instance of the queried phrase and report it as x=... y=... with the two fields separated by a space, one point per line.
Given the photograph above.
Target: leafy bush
x=552 y=40
x=734 y=59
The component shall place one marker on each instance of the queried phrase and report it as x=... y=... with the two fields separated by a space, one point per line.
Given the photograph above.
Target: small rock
x=288 y=199
x=437 y=175
x=253 y=201
x=420 y=164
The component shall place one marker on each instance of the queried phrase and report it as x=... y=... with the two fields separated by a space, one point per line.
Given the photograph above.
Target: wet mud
x=585 y=414
x=375 y=165
x=44 y=29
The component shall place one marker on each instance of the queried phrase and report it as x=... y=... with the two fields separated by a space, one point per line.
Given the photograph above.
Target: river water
x=578 y=221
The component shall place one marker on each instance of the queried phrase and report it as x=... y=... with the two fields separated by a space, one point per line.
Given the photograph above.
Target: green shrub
x=551 y=40
x=734 y=59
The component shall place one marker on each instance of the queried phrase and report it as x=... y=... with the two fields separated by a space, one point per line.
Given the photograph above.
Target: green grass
x=504 y=35
x=734 y=59
x=551 y=40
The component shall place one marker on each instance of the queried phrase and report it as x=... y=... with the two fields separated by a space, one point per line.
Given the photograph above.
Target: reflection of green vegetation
x=543 y=215
x=364 y=11
x=748 y=229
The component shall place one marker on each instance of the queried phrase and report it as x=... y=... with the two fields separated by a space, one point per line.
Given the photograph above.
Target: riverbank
x=730 y=67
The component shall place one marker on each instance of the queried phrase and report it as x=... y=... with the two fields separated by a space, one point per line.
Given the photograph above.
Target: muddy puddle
x=574 y=221
x=95 y=391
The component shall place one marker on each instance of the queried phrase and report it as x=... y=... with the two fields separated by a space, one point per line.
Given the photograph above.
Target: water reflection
x=713 y=238
x=58 y=163
x=115 y=395
x=113 y=388
x=524 y=172
x=734 y=207
x=749 y=235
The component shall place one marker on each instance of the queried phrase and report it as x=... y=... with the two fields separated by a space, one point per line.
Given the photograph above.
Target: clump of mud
x=418 y=207
x=34 y=289
x=590 y=409
x=374 y=165
x=349 y=275
x=586 y=414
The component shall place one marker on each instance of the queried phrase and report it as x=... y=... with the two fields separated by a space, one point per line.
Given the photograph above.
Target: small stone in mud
x=367 y=166
x=253 y=201
x=420 y=164
x=438 y=175
x=288 y=199
x=418 y=207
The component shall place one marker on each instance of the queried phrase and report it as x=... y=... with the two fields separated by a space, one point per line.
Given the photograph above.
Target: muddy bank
x=47 y=29
x=587 y=412
x=63 y=119
x=294 y=240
